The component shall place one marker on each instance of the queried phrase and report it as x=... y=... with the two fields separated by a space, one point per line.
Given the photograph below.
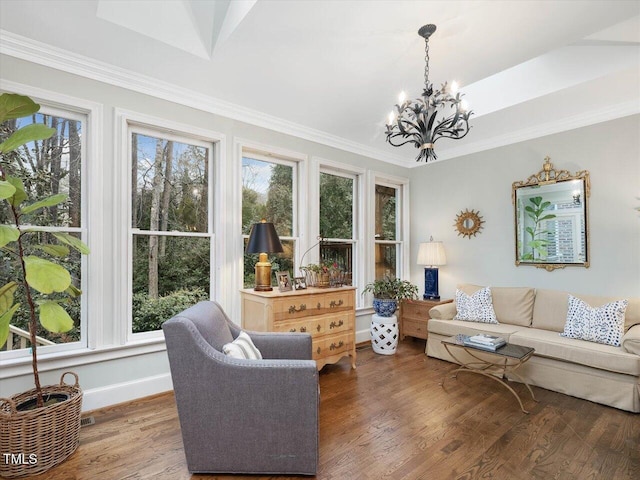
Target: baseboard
x=363 y=336
x=125 y=392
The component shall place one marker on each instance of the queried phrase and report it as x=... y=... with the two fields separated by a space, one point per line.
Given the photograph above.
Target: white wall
x=609 y=151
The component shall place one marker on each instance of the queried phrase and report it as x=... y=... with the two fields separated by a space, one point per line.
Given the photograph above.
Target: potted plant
x=387 y=292
x=40 y=427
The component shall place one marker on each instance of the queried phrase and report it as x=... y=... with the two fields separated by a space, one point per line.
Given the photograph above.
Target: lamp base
x=431 y=284
x=263 y=274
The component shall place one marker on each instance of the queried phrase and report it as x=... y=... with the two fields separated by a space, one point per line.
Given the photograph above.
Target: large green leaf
x=6 y=296
x=19 y=195
x=6 y=189
x=28 y=133
x=73 y=242
x=46 y=202
x=5 y=320
x=13 y=105
x=8 y=234
x=54 y=318
x=45 y=276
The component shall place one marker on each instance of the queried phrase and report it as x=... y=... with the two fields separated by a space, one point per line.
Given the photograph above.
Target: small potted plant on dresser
x=387 y=292
x=40 y=427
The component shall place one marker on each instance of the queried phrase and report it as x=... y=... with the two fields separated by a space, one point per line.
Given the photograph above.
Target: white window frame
x=321 y=165
x=245 y=147
x=127 y=123
x=402 y=240
x=90 y=116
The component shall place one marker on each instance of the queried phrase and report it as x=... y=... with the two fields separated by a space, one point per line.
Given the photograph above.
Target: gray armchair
x=243 y=416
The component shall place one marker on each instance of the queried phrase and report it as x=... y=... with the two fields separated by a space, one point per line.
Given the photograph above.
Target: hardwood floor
x=390 y=419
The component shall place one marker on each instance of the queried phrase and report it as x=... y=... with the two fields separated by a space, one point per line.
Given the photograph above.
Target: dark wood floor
x=390 y=419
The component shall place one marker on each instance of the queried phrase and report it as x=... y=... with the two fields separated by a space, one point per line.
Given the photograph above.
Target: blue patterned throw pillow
x=603 y=324
x=475 y=308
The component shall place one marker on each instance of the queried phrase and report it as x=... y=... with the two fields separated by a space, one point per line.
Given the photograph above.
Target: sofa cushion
x=512 y=305
x=551 y=345
x=450 y=328
x=603 y=324
x=551 y=307
x=475 y=308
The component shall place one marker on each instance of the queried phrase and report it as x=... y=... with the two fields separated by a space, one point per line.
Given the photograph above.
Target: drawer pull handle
x=318 y=350
x=293 y=309
x=303 y=329
x=319 y=306
x=334 y=304
x=336 y=325
x=292 y=330
x=334 y=346
x=318 y=327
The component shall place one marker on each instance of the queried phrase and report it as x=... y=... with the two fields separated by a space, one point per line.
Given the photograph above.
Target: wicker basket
x=37 y=440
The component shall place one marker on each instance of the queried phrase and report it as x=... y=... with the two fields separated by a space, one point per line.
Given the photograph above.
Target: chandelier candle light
x=420 y=121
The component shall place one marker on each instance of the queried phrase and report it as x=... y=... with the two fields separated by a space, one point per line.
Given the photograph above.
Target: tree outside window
x=337 y=221
x=48 y=167
x=268 y=193
x=387 y=243
x=170 y=234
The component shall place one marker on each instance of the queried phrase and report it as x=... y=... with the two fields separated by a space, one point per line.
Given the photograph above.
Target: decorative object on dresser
x=263 y=239
x=414 y=317
x=437 y=114
x=431 y=254
x=328 y=314
x=551 y=218
x=468 y=223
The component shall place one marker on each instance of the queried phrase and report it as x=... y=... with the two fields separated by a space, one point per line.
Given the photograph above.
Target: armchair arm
x=444 y=312
x=631 y=340
x=283 y=345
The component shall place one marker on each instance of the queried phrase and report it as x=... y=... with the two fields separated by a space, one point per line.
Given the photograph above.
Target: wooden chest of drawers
x=328 y=314
x=414 y=315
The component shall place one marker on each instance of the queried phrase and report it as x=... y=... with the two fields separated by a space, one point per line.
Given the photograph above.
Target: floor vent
x=86 y=421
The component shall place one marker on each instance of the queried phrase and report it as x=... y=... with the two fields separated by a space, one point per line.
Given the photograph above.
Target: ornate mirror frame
x=551 y=218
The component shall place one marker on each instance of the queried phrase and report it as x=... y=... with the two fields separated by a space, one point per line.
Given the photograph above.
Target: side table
x=414 y=316
x=384 y=334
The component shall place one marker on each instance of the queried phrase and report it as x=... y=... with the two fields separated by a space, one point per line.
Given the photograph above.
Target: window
x=387 y=231
x=269 y=192
x=338 y=196
x=47 y=167
x=171 y=225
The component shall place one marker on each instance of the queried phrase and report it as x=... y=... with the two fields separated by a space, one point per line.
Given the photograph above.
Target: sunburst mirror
x=468 y=223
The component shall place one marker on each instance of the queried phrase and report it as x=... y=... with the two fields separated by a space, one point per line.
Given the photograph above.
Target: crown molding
x=583 y=119
x=40 y=53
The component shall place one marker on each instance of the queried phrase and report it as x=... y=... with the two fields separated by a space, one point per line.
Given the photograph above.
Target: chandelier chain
x=426 y=63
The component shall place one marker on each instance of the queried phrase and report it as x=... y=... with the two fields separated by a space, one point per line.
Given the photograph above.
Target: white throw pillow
x=475 y=308
x=242 y=347
x=603 y=324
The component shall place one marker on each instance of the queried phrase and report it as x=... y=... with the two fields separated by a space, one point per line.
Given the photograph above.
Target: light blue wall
x=610 y=151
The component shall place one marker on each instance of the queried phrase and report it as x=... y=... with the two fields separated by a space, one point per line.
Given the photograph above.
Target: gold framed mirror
x=551 y=221
x=468 y=223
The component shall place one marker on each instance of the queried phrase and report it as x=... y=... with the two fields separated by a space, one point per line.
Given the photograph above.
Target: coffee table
x=505 y=359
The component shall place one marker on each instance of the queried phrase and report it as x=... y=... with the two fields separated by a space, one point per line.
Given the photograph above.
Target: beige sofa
x=534 y=318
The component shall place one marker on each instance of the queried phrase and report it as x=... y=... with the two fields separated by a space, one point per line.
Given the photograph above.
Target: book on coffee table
x=484 y=341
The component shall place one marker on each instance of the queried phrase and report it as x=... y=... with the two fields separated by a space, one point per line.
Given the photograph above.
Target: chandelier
x=424 y=120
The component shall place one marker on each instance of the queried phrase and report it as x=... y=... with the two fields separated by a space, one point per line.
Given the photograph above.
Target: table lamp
x=431 y=254
x=263 y=239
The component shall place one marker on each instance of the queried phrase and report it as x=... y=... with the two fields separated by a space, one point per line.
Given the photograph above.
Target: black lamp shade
x=264 y=239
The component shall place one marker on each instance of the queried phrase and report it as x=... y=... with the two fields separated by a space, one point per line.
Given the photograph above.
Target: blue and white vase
x=384 y=307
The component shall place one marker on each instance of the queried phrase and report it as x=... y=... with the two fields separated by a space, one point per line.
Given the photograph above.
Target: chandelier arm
x=400 y=144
